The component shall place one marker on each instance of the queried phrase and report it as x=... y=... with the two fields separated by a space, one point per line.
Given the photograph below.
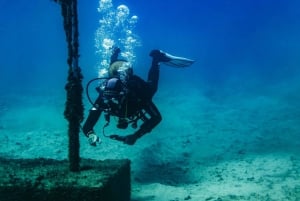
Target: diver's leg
x=153 y=74
x=153 y=77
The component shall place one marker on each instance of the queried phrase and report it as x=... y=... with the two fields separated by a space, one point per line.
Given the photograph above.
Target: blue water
x=240 y=97
x=227 y=39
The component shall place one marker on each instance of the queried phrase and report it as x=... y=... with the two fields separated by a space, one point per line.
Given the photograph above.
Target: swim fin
x=178 y=62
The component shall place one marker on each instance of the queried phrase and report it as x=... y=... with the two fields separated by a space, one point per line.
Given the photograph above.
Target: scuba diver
x=128 y=97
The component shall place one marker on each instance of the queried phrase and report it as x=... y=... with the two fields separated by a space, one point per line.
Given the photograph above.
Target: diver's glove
x=93 y=138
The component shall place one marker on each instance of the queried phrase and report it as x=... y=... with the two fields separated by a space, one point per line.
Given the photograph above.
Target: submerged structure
x=48 y=180
x=74 y=179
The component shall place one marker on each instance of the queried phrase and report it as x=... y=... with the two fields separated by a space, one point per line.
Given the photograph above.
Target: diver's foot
x=170 y=60
x=159 y=56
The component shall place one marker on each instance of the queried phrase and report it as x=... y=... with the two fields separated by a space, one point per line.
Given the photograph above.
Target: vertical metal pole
x=74 y=105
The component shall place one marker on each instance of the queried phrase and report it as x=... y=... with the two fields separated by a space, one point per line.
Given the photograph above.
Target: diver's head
x=113 y=89
x=121 y=69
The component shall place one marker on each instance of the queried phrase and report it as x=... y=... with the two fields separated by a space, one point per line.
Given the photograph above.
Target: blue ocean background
x=231 y=121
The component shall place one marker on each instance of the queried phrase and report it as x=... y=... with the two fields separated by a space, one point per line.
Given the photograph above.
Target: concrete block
x=50 y=180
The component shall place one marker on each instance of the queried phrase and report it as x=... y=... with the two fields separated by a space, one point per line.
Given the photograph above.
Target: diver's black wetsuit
x=138 y=99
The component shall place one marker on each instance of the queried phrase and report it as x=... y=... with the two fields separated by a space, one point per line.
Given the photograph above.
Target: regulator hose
x=88 y=85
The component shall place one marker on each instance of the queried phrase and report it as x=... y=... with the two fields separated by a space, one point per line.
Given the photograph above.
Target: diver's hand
x=117 y=137
x=116 y=50
x=93 y=139
x=128 y=139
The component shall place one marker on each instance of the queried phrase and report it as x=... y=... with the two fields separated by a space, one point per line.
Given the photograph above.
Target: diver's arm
x=149 y=124
x=146 y=127
x=94 y=115
x=115 y=53
x=88 y=126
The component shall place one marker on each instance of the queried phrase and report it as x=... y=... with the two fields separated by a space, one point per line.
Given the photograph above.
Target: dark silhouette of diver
x=129 y=98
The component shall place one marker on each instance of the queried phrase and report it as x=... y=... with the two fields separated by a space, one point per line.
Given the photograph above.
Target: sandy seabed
x=242 y=147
